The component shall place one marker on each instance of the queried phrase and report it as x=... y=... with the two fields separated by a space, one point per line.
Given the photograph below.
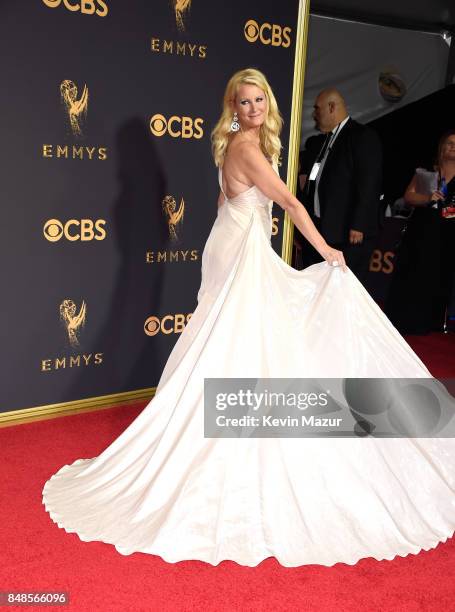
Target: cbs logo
x=88 y=7
x=268 y=34
x=382 y=261
x=169 y=324
x=74 y=229
x=177 y=127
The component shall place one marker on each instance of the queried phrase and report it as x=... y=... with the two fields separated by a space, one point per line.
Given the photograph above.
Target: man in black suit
x=342 y=191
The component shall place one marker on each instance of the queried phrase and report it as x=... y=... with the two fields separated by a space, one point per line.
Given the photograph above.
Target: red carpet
x=38 y=556
x=437 y=351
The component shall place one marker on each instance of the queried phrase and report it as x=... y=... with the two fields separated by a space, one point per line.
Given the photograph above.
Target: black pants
x=357 y=256
x=423 y=280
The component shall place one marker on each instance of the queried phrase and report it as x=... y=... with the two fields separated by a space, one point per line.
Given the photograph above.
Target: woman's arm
x=260 y=173
x=419 y=200
x=220 y=199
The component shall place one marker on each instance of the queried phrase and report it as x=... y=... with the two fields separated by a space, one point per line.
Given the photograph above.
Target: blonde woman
x=247 y=155
x=165 y=488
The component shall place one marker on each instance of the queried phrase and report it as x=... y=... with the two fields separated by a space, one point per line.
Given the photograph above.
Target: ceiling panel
x=431 y=15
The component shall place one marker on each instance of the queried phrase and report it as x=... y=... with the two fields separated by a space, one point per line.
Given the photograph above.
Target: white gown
x=162 y=488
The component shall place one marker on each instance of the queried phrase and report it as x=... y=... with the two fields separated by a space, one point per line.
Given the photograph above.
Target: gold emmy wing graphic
x=173 y=216
x=180 y=7
x=73 y=322
x=76 y=109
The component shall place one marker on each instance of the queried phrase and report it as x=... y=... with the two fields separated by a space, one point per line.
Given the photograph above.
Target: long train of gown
x=162 y=488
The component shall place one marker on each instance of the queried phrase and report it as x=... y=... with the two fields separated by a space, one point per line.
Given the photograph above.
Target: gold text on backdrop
x=177 y=127
x=275 y=221
x=382 y=261
x=177 y=47
x=76 y=113
x=168 y=324
x=86 y=7
x=71 y=361
x=54 y=230
x=267 y=33
x=171 y=256
x=73 y=322
x=74 y=152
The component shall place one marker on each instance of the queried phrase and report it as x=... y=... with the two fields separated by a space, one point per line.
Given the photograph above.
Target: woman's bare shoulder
x=234 y=165
x=246 y=147
x=242 y=153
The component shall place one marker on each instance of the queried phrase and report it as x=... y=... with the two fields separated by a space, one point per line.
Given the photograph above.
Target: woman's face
x=448 y=150
x=250 y=104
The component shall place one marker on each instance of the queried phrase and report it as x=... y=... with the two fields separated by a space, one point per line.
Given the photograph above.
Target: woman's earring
x=235 y=126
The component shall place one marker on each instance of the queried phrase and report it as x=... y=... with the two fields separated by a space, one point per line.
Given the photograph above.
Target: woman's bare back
x=233 y=177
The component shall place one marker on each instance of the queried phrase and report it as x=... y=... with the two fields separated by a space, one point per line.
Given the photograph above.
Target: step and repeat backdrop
x=107 y=179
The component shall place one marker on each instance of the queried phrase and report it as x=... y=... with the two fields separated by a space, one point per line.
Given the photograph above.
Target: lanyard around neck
x=328 y=143
x=332 y=138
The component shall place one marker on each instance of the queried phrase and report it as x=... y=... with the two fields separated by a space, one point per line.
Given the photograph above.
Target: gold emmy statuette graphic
x=173 y=216
x=73 y=322
x=180 y=7
x=76 y=109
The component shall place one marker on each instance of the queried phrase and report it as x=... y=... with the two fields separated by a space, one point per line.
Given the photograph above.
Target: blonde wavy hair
x=269 y=133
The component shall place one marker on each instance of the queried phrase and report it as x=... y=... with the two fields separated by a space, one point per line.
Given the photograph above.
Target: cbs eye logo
x=267 y=33
x=87 y=7
x=177 y=127
x=74 y=229
x=169 y=324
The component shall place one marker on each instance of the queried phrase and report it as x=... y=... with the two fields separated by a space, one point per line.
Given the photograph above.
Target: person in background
x=343 y=189
x=306 y=158
x=422 y=283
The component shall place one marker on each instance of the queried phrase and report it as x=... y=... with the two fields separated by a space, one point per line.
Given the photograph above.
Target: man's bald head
x=329 y=109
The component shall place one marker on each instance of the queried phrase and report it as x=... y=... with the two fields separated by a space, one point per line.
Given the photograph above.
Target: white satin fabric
x=162 y=488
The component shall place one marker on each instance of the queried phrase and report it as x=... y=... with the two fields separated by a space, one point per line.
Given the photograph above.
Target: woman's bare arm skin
x=260 y=173
x=420 y=200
